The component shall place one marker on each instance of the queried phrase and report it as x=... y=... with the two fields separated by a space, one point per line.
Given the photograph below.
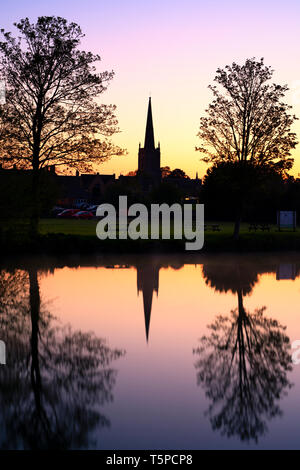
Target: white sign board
x=286 y=219
x=286 y=271
x=2 y=92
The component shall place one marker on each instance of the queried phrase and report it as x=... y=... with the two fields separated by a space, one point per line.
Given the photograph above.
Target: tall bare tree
x=247 y=121
x=52 y=116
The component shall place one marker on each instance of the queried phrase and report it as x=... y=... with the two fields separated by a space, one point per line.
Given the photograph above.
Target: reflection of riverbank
x=171 y=299
x=228 y=269
x=56 y=379
x=220 y=271
x=15 y=240
x=243 y=366
x=244 y=359
x=256 y=262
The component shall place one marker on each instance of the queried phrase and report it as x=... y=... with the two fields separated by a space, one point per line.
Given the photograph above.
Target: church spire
x=149 y=136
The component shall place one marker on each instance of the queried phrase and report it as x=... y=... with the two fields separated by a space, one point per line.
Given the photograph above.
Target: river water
x=150 y=352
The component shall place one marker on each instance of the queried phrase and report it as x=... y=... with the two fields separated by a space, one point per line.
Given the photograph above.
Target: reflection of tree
x=55 y=380
x=242 y=366
x=230 y=276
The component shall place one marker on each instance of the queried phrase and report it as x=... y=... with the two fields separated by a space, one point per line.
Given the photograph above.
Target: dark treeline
x=267 y=192
x=263 y=192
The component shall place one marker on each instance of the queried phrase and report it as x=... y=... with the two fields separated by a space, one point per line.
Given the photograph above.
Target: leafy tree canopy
x=247 y=119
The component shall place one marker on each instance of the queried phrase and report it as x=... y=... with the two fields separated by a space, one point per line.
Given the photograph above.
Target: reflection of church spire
x=147 y=298
x=147 y=282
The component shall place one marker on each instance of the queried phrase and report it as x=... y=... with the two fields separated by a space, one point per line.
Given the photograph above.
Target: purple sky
x=172 y=49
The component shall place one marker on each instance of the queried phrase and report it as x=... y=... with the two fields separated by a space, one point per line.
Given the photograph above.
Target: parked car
x=82 y=205
x=56 y=210
x=83 y=215
x=92 y=209
x=67 y=213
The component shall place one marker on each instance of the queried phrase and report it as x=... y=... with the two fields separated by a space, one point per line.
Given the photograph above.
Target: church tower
x=149 y=156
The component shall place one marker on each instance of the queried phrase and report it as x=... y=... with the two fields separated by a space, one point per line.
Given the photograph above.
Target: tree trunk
x=35 y=209
x=34 y=294
x=237 y=223
x=240 y=303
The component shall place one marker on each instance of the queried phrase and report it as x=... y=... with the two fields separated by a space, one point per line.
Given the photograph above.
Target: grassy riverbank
x=66 y=235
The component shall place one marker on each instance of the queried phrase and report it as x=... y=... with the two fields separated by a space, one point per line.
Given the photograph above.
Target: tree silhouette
x=242 y=366
x=231 y=276
x=247 y=123
x=178 y=173
x=55 y=380
x=51 y=116
x=258 y=186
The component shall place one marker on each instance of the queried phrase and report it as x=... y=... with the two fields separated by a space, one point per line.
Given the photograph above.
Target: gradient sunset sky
x=171 y=49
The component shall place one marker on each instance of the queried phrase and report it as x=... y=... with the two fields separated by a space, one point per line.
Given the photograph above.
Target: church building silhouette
x=149 y=171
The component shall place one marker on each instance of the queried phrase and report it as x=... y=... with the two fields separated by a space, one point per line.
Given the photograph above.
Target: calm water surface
x=150 y=352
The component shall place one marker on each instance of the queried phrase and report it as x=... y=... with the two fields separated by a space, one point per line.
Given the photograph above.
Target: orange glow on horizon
x=87 y=298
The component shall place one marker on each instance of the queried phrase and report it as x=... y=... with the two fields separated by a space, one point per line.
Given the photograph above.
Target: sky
x=171 y=49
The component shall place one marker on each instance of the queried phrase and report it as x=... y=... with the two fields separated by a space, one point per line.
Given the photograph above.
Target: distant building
x=82 y=188
x=189 y=186
x=71 y=189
